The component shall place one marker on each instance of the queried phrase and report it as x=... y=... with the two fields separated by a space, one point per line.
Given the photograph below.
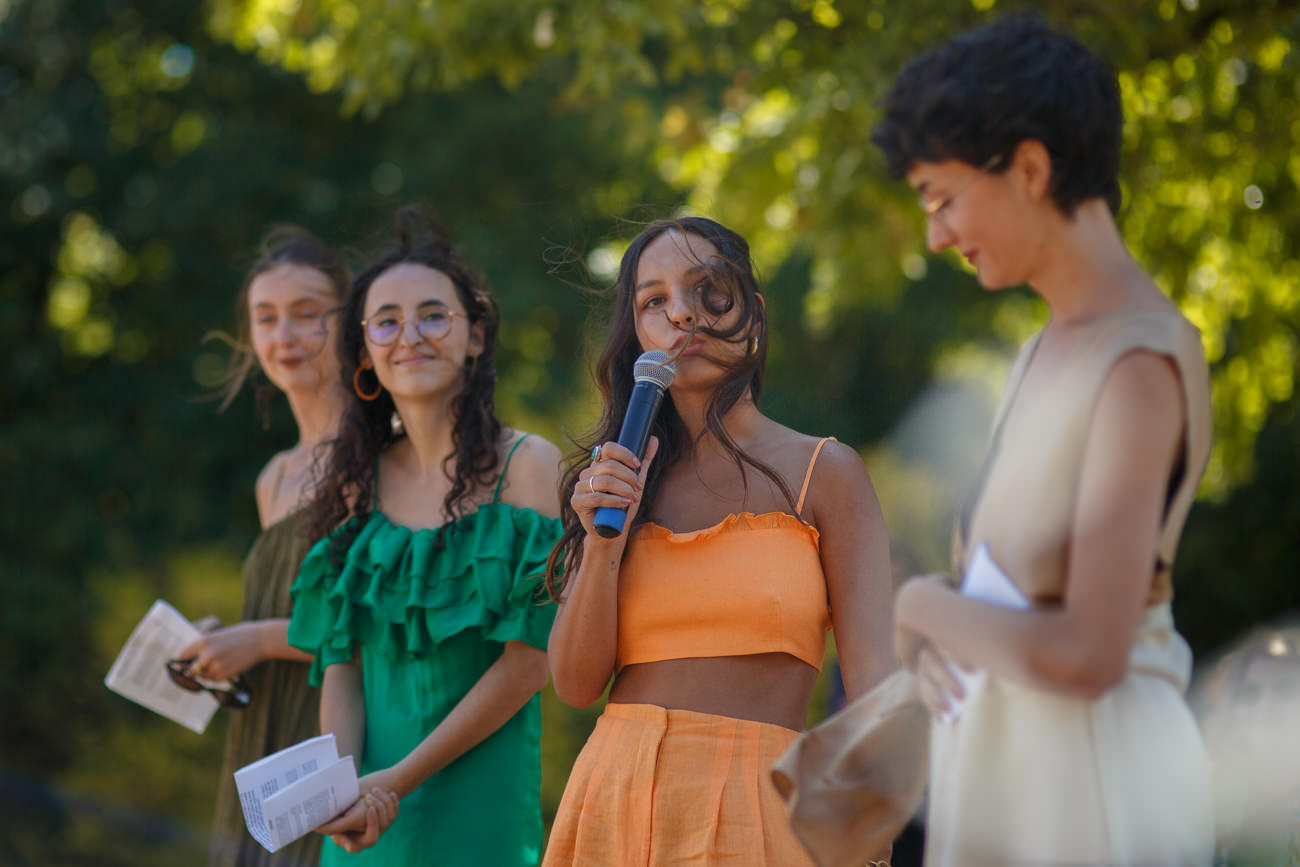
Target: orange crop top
x=748 y=584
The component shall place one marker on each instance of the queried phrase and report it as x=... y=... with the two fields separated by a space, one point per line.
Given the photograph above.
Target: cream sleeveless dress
x=1037 y=778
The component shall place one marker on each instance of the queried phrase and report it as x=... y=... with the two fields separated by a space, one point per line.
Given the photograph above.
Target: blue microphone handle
x=634 y=435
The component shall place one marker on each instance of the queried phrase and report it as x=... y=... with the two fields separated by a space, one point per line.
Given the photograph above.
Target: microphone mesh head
x=654 y=366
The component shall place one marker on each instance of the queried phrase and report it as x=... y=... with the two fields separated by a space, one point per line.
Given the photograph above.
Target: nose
x=937 y=234
x=409 y=334
x=681 y=309
x=284 y=330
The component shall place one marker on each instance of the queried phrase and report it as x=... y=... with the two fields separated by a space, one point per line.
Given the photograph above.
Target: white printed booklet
x=293 y=792
x=140 y=670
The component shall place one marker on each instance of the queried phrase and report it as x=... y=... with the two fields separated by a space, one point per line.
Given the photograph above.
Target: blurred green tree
x=771 y=103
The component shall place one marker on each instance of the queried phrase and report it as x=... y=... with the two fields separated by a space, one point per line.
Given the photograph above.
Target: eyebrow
x=432 y=302
x=310 y=298
x=654 y=281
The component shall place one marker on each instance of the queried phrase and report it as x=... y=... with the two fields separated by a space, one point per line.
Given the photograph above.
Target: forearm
x=273 y=641
x=584 y=639
x=1040 y=648
x=343 y=708
x=497 y=696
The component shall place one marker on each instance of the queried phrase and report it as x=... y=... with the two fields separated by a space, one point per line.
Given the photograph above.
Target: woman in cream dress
x=1075 y=745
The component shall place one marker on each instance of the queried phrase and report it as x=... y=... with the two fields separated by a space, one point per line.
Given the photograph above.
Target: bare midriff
x=764 y=687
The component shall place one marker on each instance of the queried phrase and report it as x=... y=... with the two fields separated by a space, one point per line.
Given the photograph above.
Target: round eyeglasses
x=384 y=328
x=936 y=207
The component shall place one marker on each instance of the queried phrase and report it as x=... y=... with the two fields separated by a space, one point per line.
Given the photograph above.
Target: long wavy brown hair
x=282 y=245
x=730 y=282
x=366 y=429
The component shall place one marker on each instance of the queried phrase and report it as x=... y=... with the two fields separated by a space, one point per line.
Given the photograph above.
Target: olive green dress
x=285 y=708
x=431 y=610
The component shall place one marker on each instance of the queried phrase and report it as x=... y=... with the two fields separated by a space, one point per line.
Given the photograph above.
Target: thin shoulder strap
x=807 y=477
x=496 y=495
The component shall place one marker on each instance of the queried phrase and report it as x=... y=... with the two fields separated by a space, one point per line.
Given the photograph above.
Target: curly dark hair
x=282 y=245
x=731 y=281
x=366 y=429
x=978 y=96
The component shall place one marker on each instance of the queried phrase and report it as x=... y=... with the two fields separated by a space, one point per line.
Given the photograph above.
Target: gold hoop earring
x=356 y=386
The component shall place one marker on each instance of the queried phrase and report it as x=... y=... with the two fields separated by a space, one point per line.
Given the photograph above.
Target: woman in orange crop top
x=710 y=612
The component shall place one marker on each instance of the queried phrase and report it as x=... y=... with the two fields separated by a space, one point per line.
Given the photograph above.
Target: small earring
x=395 y=423
x=753 y=345
x=356 y=386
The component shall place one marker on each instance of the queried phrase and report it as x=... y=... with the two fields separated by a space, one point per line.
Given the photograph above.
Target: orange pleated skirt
x=664 y=787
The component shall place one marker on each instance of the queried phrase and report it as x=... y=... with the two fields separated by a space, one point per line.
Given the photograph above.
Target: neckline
x=746 y=520
x=415 y=531
x=284 y=519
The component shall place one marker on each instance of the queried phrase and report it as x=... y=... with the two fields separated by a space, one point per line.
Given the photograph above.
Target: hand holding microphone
x=612 y=485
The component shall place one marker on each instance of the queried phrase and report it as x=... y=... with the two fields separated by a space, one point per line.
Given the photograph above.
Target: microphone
x=652 y=374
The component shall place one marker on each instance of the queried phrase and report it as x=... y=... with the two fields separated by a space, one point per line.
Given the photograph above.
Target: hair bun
x=417 y=227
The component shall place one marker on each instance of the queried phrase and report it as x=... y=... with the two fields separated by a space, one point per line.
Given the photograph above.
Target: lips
x=694 y=346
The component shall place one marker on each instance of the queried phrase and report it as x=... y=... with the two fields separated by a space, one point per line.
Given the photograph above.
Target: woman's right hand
x=227 y=652
x=616 y=480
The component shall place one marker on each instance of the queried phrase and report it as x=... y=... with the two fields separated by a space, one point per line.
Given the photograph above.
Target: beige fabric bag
x=852 y=783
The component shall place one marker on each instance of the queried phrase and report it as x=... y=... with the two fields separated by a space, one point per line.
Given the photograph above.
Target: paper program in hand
x=291 y=793
x=986 y=582
x=140 y=670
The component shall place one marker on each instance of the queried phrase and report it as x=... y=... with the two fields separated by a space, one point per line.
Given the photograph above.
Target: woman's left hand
x=362 y=824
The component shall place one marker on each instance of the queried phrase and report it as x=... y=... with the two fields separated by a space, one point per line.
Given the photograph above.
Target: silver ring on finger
x=591 y=483
x=596 y=451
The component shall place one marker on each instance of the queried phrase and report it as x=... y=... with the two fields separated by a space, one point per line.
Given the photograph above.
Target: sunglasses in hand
x=237 y=697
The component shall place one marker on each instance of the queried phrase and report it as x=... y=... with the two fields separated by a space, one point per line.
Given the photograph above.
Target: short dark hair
x=979 y=95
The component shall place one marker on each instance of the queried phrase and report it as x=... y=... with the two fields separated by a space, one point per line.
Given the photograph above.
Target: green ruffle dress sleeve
x=401 y=592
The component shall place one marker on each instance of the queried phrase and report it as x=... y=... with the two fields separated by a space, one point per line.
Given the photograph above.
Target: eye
x=435 y=317
x=307 y=315
x=386 y=321
x=652 y=302
x=265 y=319
x=713 y=299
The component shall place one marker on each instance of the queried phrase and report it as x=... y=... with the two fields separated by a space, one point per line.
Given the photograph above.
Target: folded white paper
x=291 y=793
x=140 y=670
x=986 y=582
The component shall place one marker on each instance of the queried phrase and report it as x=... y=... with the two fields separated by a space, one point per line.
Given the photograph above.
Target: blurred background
x=146 y=146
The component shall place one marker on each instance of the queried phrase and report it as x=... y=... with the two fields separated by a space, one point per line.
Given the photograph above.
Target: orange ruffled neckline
x=734 y=522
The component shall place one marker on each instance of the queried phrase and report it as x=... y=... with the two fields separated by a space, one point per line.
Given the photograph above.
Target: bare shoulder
x=532 y=478
x=1139 y=417
x=836 y=466
x=265 y=488
x=838 y=480
x=1142 y=386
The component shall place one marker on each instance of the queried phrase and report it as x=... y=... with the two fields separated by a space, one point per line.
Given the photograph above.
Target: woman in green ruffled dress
x=421 y=607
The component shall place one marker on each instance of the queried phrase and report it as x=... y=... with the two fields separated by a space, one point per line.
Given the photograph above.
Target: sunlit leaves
x=779 y=149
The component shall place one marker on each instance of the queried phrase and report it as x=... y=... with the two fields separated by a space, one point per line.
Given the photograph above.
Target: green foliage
x=770 y=106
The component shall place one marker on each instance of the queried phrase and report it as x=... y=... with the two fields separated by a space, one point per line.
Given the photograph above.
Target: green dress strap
x=496 y=495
